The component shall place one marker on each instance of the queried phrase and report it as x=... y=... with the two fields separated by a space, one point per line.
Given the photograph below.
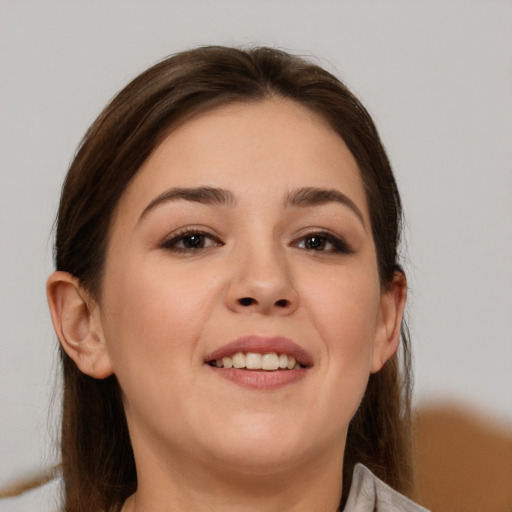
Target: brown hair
x=97 y=460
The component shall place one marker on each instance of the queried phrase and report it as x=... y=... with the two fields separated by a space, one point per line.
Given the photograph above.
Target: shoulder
x=369 y=494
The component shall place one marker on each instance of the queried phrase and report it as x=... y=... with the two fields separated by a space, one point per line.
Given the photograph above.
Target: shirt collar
x=369 y=494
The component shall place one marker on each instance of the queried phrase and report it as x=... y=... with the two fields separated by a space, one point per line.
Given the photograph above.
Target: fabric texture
x=369 y=494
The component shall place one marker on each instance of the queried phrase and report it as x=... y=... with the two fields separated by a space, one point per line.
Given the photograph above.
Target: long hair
x=97 y=459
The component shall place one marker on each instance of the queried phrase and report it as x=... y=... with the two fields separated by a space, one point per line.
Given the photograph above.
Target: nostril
x=250 y=301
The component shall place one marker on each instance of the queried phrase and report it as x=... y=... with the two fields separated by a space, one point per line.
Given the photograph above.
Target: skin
x=200 y=441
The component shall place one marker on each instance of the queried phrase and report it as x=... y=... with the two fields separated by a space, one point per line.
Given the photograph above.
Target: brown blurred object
x=463 y=461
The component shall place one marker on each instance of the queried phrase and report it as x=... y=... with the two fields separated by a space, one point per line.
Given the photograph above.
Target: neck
x=184 y=485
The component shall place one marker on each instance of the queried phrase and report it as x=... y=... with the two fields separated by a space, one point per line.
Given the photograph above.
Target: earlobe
x=77 y=322
x=387 y=335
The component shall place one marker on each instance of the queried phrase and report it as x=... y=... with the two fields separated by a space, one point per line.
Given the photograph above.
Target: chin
x=260 y=460
x=265 y=445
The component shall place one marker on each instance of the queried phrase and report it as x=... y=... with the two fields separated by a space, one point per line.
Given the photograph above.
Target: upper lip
x=262 y=345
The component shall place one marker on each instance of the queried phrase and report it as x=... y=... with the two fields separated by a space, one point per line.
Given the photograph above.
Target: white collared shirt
x=369 y=494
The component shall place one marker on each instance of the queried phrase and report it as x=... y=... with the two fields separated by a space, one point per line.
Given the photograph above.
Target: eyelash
x=172 y=243
x=338 y=244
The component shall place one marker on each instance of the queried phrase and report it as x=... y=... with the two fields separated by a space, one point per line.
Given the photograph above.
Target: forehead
x=268 y=148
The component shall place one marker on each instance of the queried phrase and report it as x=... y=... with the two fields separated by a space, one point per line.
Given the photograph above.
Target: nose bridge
x=261 y=278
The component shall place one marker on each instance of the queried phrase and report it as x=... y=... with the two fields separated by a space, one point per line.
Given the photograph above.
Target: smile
x=260 y=363
x=254 y=361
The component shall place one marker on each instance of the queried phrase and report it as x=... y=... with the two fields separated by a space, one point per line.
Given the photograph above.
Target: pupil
x=193 y=241
x=316 y=242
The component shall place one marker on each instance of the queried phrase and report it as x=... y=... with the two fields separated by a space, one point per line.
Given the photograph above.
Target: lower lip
x=260 y=379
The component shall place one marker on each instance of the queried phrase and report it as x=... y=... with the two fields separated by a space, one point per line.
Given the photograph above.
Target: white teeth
x=255 y=361
x=227 y=362
x=239 y=360
x=269 y=362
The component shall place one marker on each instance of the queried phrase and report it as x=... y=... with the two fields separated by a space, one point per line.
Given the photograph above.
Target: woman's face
x=245 y=239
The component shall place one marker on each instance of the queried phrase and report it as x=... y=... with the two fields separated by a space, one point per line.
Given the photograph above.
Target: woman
x=228 y=296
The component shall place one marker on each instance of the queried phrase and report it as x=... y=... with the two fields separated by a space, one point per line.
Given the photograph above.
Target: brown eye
x=191 y=241
x=315 y=243
x=324 y=242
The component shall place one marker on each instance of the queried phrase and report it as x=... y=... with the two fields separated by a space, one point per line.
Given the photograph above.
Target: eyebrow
x=312 y=196
x=301 y=198
x=204 y=195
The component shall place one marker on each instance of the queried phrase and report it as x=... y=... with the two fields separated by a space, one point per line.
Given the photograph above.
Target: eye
x=323 y=242
x=191 y=241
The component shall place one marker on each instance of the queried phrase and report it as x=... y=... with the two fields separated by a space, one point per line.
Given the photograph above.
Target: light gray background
x=436 y=76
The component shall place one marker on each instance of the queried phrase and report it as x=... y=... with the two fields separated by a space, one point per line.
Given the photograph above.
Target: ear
x=77 y=322
x=391 y=310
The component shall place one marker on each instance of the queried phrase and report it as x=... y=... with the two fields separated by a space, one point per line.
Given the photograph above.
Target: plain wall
x=436 y=76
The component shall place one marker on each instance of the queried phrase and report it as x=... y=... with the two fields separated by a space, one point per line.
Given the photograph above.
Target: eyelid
x=173 y=238
x=340 y=244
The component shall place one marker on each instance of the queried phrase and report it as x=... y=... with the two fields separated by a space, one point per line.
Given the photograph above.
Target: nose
x=261 y=282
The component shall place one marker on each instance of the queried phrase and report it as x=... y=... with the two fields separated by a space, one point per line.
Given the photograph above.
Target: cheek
x=153 y=319
x=347 y=303
x=344 y=312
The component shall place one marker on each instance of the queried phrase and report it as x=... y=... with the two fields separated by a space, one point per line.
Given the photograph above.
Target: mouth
x=260 y=362
x=260 y=353
x=270 y=361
